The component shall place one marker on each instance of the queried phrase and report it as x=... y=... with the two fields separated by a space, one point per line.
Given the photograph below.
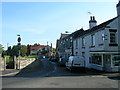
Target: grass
x=8 y=59
x=30 y=57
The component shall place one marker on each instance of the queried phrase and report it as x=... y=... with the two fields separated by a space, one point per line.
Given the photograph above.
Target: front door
x=107 y=62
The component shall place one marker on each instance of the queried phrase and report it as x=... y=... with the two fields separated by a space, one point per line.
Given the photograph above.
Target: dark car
x=54 y=59
x=62 y=61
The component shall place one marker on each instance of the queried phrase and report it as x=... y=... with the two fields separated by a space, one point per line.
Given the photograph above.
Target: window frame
x=93 y=40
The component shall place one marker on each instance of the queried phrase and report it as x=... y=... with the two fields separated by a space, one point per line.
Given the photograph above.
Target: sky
x=42 y=22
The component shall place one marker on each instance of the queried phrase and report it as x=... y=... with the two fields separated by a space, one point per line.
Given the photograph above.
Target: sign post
x=19 y=47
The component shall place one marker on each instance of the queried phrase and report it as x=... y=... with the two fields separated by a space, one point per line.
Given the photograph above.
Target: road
x=53 y=76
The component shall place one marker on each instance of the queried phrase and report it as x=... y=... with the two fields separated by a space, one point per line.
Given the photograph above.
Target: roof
x=63 y=35
x=78 y=33
x=94 y=28
x=37 y=47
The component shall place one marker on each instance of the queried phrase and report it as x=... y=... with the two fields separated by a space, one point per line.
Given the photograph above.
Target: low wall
x=25 y=62
x=18 y=65
x=36 y=65
x=1 y=64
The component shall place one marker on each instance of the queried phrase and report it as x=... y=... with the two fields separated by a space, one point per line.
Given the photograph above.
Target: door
x=107 y=62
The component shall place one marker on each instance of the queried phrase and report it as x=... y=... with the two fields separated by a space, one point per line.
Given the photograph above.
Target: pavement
x=9 y=72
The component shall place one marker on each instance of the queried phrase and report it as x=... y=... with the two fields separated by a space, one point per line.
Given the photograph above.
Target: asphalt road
x=53 y=76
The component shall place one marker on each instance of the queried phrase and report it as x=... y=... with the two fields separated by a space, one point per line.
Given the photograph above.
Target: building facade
x=100 y=45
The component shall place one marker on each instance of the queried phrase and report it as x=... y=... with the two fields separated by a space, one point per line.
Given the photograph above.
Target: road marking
x=62 y=77
x=9 y=74
x=98 y=76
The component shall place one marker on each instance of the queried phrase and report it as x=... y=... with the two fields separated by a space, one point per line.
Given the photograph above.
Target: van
x=75 y=62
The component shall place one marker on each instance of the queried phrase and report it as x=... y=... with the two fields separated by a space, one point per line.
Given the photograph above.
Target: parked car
x=62 y=61
x=54 y=59
x=75 y=62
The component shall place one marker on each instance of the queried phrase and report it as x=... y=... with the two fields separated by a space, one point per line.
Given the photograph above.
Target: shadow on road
x=45 y=68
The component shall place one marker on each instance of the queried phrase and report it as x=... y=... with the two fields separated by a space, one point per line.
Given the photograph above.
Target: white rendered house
x=100 y=45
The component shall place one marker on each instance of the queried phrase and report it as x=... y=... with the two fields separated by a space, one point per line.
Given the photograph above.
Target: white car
x=75 y=62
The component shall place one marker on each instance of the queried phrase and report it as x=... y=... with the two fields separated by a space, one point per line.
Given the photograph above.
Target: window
x=76 y=43
x=115 y=60
x=93 y=40
x=112 y=37
x=83 y=54
x=96 y=59
x=83 y=42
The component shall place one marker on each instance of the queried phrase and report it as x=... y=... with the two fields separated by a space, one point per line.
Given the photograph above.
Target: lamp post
x=19 y=47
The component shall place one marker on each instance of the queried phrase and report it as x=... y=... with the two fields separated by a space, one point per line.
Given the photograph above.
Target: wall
x=23 y=62
x=1 y=64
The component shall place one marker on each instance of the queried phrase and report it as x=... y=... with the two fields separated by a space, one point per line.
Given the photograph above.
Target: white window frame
x=114 y=37
x=93 y=39
x=112 y=62
x=83 y=42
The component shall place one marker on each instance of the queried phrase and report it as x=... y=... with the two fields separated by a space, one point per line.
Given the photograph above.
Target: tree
x=23 y=50
x=9 y=51
x=14 y=51
x=36 y=44
x=28 y=50
x=1 y=48
x=44 y=52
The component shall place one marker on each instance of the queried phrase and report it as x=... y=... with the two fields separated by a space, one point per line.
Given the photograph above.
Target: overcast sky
x=39 y=22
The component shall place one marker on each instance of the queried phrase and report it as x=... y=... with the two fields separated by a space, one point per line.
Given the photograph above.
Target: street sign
x=19 y=39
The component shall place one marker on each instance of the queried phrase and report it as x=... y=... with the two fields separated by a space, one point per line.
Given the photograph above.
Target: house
x=60 y=45
x=34 y=49
x=100 y=44
x=40 y=50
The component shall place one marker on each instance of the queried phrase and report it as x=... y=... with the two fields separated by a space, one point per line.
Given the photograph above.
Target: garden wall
x=23 y=63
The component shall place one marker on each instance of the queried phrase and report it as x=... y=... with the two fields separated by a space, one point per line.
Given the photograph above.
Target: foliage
x=43 y=52
x=1 y=48
x=36 y=44
x=31 y=57
x=14 y=51
x=8 y=59
x=23 y=50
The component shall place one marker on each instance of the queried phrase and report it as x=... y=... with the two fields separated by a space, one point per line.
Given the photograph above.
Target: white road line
x=9 y=74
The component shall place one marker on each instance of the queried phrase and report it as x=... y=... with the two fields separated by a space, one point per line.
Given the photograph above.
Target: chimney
x=92 y=22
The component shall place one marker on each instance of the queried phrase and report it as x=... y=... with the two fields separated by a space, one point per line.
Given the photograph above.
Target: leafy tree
x=28 y=49
x=36 y=44
x=9 y=51
x=14 y=51
x=44 y=52
x=23 y=50
x=1 y=48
